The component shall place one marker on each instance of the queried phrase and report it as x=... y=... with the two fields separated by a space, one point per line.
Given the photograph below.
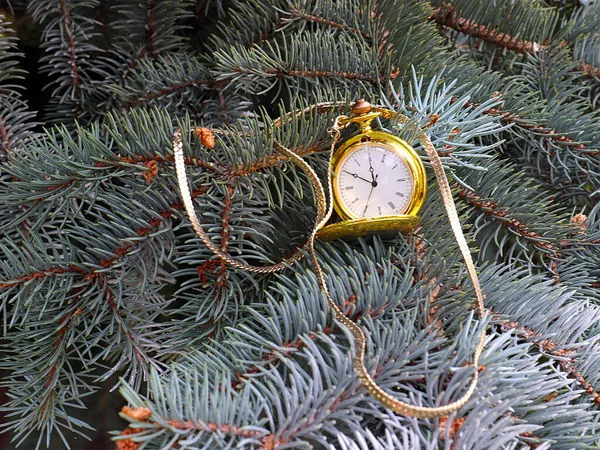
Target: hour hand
x=355 y=175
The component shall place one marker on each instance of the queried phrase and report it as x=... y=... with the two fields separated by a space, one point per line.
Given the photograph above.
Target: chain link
x=324 y=202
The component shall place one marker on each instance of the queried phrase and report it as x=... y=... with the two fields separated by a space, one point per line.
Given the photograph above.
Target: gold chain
x=324 y=211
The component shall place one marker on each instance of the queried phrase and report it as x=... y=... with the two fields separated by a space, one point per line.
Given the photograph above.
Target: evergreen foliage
x=101 y=274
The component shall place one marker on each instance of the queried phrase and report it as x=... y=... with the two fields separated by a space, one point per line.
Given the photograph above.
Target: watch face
x=373 y=180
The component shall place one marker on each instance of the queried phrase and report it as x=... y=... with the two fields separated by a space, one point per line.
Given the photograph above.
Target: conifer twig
x=295 y=12
x=75 y=77
x=4 y=137
x=566 y=360
x=119 y=252
x=274 y=356
x=492 y=209
x=316 y=74
x=124 y=75
x=272 y=160
x=152 y=46
x=165 y=92
x=449 y=18
x=225 y=217
x=541 y=130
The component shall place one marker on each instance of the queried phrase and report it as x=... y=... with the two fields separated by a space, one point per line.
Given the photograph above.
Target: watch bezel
x=400 y=148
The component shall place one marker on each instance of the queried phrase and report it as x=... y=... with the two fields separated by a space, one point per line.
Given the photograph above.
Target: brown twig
x=590 y=70
x=75 y=77
x=225 y=217
x=151 y=33
x=272 y=160
x=450 y=18
x=280 y=73
x=61 y=332
x=504 y=216
x=295 y=12
x=567 y=361
x=165 y=92
x=214 y=428
x=123 y=78
x=4 y=137
x=119 y=252
x=509 y=117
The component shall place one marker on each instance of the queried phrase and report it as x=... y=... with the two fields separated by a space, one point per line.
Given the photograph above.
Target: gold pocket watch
x=378 y=180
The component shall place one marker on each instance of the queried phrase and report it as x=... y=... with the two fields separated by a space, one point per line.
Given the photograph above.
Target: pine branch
x=147 y=98
x=67 y=40
x=273 y=161
x=449 y=18
x=539 y=129
x=225 y=218
x=225 y=429
x=15 y=117
x=108 y=104
x=315 y=74
x=155 y=25
x=565 y=358
x=297 y=13
x=304 y=61
x=119 y=252
x=272 y=357
x=550 y=332
x=142 y=360
x=170 y=80
x=506 y=219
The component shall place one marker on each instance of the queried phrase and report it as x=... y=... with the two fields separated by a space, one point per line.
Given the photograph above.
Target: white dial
x=373 y=180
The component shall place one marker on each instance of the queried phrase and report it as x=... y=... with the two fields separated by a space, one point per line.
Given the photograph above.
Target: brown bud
x=128 y=444
x=140 y=414
x=206 y=137
x=580 y=221
x=151 y=172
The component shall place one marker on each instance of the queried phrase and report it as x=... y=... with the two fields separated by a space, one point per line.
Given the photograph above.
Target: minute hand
x=373 y=185
x=355 y=175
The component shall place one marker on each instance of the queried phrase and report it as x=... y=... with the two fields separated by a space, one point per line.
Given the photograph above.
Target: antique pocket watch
x=378 y=180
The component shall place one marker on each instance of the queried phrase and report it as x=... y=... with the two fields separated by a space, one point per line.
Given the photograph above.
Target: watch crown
x=361 y=106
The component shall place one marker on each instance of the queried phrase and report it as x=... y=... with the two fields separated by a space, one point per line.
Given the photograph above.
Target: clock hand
x=357 y=176
x=371 y=168
x=368 y=198
x=373 y=186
